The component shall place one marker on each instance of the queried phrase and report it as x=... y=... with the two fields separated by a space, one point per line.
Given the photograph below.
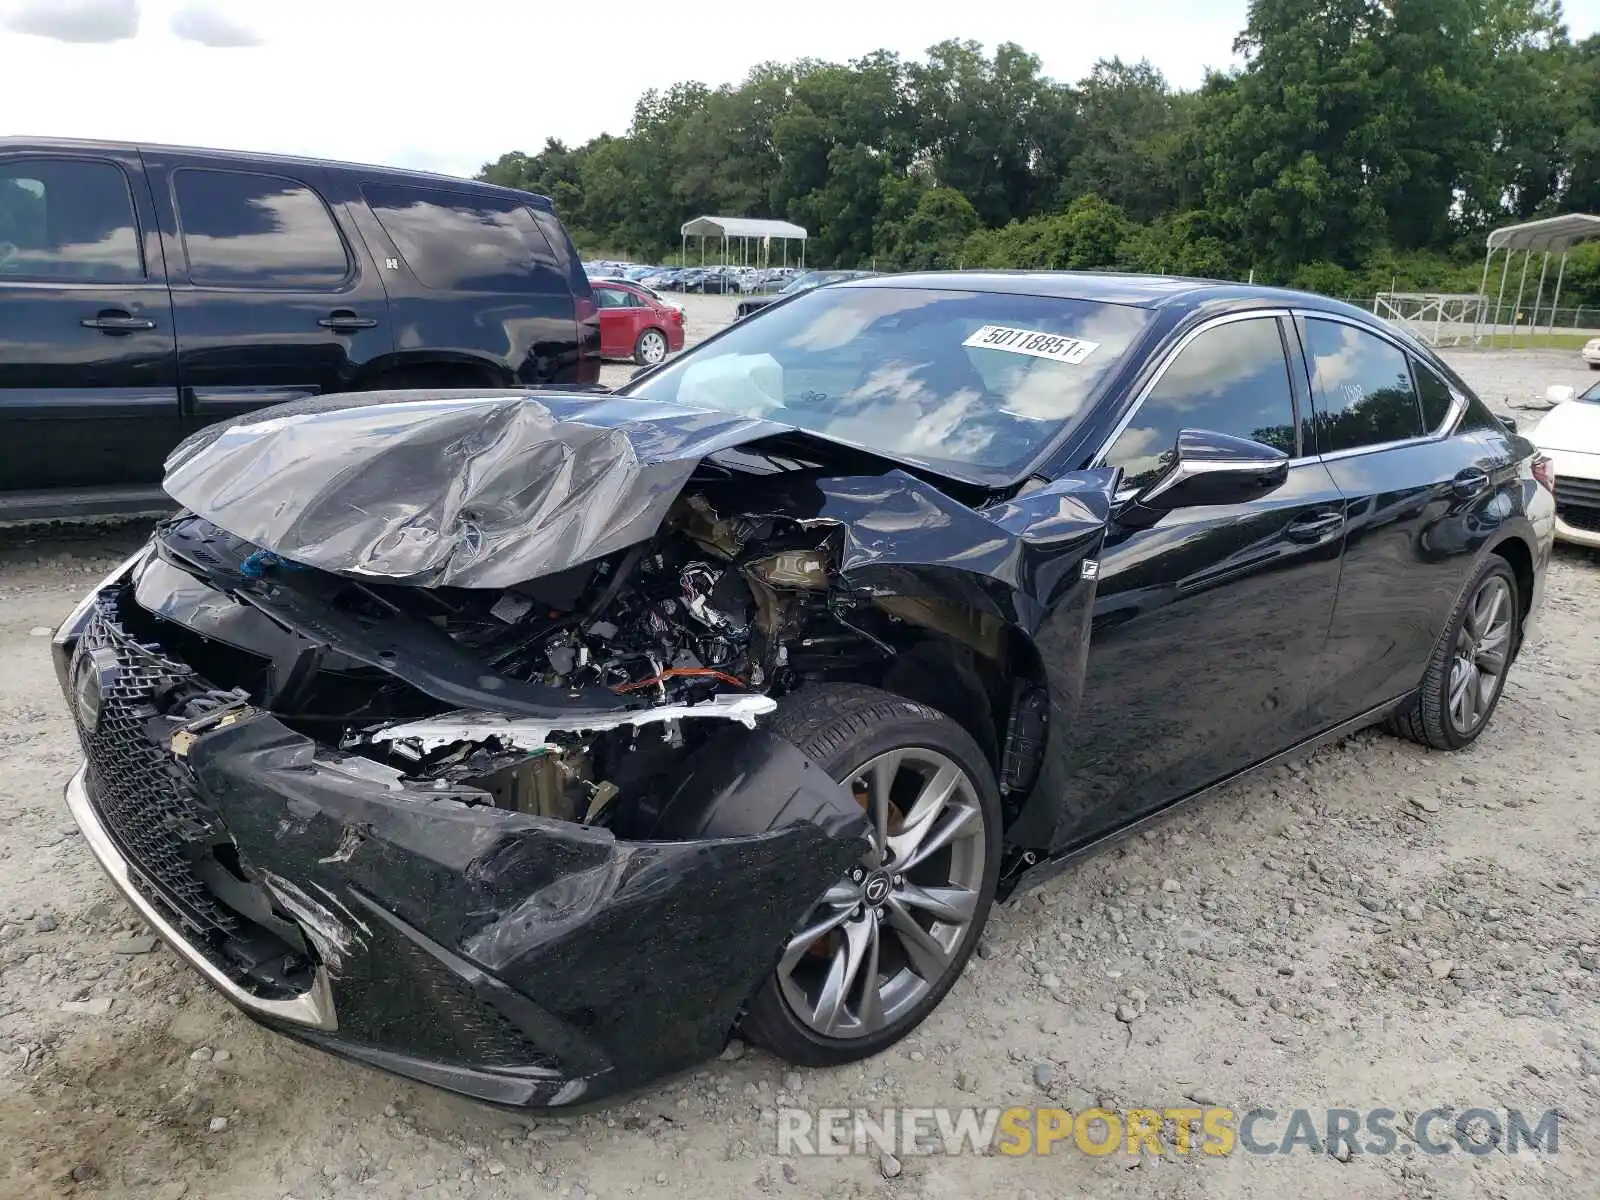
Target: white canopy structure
x=1551 y=235
x=744 y=230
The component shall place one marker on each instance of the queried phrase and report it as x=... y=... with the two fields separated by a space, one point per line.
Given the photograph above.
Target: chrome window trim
x=1458 y=401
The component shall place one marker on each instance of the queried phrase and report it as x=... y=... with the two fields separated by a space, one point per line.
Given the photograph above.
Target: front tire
x=1467 y=674
x=885 y=944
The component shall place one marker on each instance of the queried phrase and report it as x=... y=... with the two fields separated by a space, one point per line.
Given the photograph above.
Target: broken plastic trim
x=432 y=733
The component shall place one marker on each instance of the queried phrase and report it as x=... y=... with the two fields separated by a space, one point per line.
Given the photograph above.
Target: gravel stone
x=98 y=1007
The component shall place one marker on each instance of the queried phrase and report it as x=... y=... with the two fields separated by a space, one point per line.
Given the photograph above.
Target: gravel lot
x=1373 y=926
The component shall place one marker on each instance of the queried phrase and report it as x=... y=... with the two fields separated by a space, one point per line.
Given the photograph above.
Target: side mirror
x=1213 y=468
x=1510 y=423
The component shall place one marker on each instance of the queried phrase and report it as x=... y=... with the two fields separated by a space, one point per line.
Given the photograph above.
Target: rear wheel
x=886 y=942
x=651 y=348
x=1467 y=672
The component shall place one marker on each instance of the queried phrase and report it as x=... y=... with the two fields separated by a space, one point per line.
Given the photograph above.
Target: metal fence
x=1469 y=319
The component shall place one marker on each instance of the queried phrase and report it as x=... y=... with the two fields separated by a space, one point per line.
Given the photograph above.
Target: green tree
x=932 y=236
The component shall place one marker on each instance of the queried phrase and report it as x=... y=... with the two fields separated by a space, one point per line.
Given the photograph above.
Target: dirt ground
x=1375 y=926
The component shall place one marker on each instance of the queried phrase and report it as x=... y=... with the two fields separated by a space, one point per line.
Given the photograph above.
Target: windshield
x=973 y=383
x=801 y=283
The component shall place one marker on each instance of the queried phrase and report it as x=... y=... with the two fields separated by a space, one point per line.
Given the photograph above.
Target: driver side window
x=1232 y=379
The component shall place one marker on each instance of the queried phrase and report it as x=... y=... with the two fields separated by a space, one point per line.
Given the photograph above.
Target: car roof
x=1108 y=287
x=396 y=174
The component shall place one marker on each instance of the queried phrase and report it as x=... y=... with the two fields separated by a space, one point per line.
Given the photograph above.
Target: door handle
x=1469 y=483
x=1310 y=530
x=113 y=323
x=342 y=319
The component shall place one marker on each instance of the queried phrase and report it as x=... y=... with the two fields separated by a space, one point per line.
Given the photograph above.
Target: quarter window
x=1364 y=393
x=455 y=241
x=243 y=230
x=1233 y=379
x=1434 y=394
x=67 y=219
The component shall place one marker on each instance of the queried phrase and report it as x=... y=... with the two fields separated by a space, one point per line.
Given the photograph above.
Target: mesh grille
x=141 y=791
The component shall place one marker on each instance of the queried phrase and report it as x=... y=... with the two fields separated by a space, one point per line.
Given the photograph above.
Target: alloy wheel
x=652 y=347
x=888 y=932
x=1483 y=650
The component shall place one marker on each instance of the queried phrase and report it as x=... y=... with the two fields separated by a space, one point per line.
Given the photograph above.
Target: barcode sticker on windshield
x=1030 y=341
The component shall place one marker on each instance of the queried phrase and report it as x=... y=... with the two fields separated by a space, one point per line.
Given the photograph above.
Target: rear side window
x=458 y=242
x=1363 y=388
x=1434 y=394
x=243 y=230
x=1231 y=379
x=67 y=219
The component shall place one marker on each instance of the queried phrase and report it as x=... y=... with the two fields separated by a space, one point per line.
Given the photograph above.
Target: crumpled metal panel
x=464 y=488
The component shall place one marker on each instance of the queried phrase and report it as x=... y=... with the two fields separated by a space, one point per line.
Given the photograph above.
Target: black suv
x=146 y=291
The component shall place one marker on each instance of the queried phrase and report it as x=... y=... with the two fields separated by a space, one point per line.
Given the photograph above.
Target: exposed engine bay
x=706 y=622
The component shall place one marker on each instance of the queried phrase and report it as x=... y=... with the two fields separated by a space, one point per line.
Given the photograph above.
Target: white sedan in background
x=1591 y=353
x=1569 y=435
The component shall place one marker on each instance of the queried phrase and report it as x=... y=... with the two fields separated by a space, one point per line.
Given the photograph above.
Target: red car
x=634 y=324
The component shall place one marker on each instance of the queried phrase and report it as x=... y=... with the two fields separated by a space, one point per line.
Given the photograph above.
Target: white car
x=1569 y=435
x=1591 y=353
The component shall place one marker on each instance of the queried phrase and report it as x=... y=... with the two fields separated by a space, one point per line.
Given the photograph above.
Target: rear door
x=1207 y=626
x=272 y=300
x=1420 y=484
x=88 y=372
x=617 y=319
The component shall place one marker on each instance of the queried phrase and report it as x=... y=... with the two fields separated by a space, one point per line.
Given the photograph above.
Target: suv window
x=1363 y=388
x=1233 y=379
x=243 y=230
x=1434 y=393
x=68 y=219
x=455 y=241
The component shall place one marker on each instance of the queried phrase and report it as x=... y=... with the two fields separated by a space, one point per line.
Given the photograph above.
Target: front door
x=88 y=374
x=1207 y=624
x=273 y=300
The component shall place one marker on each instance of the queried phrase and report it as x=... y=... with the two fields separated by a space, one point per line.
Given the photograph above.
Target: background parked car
x=798 y=284
x=147 y=291
x=1570 y=434
x=635 y=324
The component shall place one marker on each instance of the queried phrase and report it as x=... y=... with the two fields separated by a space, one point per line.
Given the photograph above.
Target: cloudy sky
x=449 y=84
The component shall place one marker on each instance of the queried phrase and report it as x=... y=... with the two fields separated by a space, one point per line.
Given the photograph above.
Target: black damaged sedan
x=529 y=743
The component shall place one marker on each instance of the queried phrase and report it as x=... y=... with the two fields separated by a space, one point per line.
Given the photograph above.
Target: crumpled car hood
x=465 y=488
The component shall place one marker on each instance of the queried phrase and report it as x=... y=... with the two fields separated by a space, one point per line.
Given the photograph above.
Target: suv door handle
x=113 y=322
x=343 y=318
x=1313 y=529
x=1470 y=482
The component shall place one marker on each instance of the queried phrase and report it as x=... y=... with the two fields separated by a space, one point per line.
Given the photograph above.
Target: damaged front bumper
x=515 y=958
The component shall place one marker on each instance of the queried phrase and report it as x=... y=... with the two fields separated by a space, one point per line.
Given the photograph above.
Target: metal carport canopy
x=1550 y=235
x=744 y=227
